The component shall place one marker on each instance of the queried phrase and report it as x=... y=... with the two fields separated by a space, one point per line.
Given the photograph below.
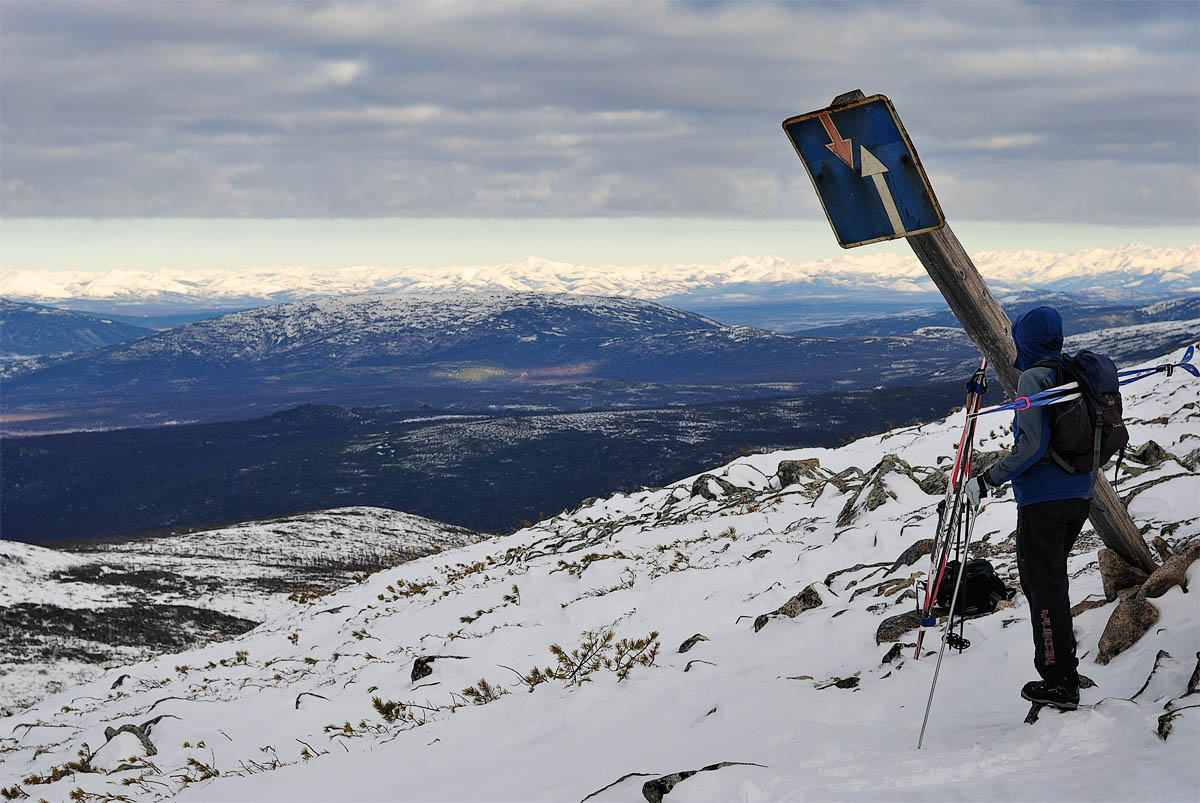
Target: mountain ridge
x=1133 y=269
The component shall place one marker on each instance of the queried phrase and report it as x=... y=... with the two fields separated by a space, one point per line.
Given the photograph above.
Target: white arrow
x=874 y=169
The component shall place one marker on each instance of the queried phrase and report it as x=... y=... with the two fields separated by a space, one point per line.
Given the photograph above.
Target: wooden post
x=985 y=322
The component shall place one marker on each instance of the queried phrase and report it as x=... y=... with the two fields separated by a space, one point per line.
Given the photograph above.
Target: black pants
x=1045 y=534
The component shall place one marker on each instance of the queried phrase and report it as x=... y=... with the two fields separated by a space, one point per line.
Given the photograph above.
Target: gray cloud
x=1065 y=112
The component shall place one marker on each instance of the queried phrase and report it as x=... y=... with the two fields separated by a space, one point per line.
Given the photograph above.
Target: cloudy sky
x=522 y=127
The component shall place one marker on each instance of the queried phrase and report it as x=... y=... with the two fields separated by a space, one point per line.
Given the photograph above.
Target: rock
x=792 y=472
x=846 y=683
x=655 y=790
x=934 y=483
x=841 y=480
x=703 y=487
x=1160 y=683
x=1117 y=575
x=1128 y=623
x=761 y=553
x=829 y=578
x=1149 y=454
x=1086 y=683
x=806 y=600
x=874 y=491
x=1172 y=573
x=126 y=744
x=914 y=553
x=1086 y=605
x=892 y=628
x=692 y=642
x=896 y=651
x=422 y=665
x=1162 y=548
x=421 y=668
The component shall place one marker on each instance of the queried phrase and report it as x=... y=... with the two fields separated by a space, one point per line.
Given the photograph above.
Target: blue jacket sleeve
x=1032 y=428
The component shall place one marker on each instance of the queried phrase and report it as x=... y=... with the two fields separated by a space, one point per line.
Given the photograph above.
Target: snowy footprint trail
x=795 y=571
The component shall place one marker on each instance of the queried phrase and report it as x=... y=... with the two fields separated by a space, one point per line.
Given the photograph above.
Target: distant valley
x=481 y=409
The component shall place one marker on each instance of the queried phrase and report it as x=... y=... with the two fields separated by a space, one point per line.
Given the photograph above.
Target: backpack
x=1087 y=432
x=980 y=592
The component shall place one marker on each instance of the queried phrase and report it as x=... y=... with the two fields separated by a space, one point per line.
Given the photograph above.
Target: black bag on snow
x=980 y=592
x=1087 y=432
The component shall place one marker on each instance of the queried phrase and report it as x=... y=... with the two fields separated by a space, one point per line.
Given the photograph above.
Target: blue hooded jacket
x=1038 y=336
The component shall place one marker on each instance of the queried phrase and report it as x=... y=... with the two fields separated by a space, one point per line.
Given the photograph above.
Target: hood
x=1038 y=336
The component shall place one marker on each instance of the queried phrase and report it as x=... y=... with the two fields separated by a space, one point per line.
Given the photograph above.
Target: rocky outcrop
x=874 y=491
x=806 y=600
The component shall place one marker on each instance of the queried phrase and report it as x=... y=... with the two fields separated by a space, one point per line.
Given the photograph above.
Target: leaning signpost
x=872 y=186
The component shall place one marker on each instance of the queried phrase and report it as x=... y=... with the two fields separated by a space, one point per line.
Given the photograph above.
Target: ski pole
x=962 y=568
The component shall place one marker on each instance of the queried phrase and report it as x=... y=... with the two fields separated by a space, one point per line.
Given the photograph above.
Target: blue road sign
x=866 y=172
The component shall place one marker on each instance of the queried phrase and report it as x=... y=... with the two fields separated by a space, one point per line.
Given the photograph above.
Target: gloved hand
x=976 y=490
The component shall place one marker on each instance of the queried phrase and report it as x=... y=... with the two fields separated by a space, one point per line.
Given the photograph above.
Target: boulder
x=892 y=628
x=934 y=483
x=914 y=553
x=1149 y=454
x=791 y=472
x=1117 y=575
x=1128 y=623
x=806 y=600
x=1173 y=572
x=703 y=486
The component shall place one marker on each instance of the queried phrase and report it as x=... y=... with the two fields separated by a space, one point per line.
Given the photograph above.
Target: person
x=1052 y=507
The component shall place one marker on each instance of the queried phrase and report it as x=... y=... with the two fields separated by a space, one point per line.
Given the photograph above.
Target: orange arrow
x=840 y=147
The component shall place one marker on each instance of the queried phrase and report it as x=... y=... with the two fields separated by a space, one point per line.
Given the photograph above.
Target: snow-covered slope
x=375 y=693
x=60 y=609
x=1134 y=268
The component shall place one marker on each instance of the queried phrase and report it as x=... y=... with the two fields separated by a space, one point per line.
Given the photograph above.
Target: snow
x=246 y=570
x=1151 y=269
x=662 y=560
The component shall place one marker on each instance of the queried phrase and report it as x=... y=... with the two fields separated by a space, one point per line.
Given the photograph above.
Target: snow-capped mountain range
x=744 y=634
x=1131 y=271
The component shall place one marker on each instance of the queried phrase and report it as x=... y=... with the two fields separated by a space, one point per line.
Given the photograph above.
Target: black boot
x=1061 y=693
